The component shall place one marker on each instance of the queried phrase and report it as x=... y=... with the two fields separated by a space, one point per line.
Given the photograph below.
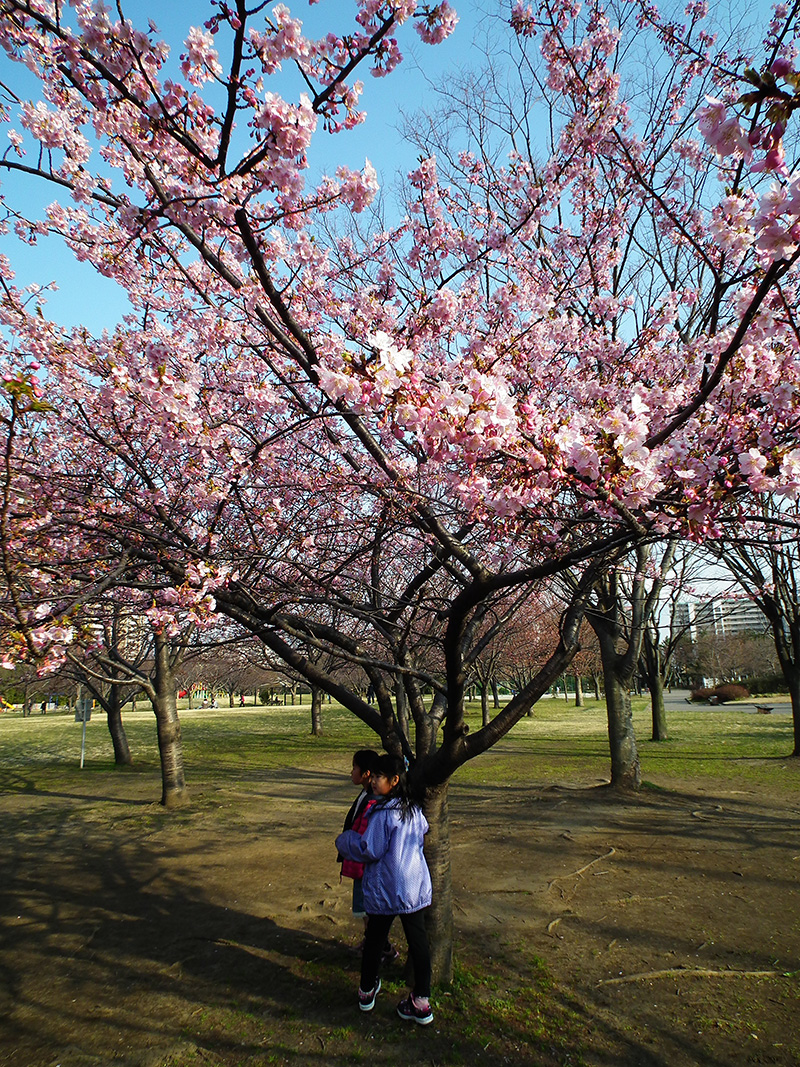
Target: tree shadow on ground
x=141 y=939
x=113 y=955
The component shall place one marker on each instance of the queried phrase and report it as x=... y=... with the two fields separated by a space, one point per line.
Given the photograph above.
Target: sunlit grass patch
x=557 y=744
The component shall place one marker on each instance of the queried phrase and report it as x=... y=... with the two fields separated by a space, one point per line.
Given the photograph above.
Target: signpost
x=83 y=712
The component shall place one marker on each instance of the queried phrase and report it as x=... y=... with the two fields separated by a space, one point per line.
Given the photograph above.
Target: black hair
x=365 y=759
x=392 y=766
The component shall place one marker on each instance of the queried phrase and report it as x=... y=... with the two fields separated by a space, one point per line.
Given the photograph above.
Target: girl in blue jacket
x=396 y=882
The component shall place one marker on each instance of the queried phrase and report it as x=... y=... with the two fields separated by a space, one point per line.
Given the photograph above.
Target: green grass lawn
x=559 y=743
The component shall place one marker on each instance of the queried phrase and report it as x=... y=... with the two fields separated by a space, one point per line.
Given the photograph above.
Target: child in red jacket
x=356 y=819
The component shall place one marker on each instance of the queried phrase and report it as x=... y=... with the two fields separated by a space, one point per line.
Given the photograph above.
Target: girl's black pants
x=377 y=935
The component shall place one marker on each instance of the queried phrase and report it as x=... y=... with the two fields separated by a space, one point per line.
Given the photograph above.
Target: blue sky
x=84 y=298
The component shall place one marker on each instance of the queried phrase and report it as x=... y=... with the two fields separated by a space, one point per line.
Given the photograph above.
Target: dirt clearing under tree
x=659 y=930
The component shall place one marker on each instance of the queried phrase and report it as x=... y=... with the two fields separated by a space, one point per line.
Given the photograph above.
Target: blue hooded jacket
x=396 y=877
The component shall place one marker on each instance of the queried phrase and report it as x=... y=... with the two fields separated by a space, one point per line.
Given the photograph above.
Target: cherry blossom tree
x=624 y=600
x=524 y=643
x=72 y=591
x=359 y=438
x=106 y=678
x=122 y=651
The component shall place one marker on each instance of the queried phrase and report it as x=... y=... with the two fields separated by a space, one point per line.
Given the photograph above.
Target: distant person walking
x=396 y=882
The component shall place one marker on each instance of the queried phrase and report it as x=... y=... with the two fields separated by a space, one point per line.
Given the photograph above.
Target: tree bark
x=786 y=634
x=119 y=739
x=659 y=714
x=625 y=769
x=440 y=913
x=165 y=705
x=401 y=705
x=484 y=704
x=579 y=701
x=316 y=711
x=655 y=666
x=794 y=692
x=791 y=675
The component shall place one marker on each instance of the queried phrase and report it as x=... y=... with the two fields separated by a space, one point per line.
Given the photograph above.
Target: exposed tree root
x=580 y=871
x=705 y=816
x=694 y=972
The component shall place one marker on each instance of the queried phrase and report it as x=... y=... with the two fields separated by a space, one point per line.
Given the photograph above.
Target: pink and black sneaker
x=366 y=1001
x=409 y=1009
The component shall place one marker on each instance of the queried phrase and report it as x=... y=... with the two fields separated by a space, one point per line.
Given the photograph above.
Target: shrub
x=723 y=693
x=731 y=691
x=702 y=696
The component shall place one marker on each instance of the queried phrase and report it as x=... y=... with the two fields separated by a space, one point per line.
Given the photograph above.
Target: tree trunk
x=625 y=770
x=316 y=711
x=626 y=773
x=793 y=680
x=440 y=913
x=119 y=739
x=579 y=701
x=165 y=705
x=656 y=686
x=787 y=648
x=484 y=704
x=495 y=694
x=401 y=704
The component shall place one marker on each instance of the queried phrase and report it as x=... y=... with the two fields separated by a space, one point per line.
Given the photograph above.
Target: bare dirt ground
x=220 y=935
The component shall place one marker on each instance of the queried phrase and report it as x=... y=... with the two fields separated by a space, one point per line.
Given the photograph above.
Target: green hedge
x=766 y=683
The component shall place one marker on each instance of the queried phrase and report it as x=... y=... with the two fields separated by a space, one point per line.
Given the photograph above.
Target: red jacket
x=350 y=868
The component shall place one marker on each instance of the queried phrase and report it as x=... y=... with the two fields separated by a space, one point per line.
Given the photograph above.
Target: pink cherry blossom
x=200 y=62
x=543 y=354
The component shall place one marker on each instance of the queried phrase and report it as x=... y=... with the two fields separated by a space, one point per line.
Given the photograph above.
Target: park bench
x=764 y=709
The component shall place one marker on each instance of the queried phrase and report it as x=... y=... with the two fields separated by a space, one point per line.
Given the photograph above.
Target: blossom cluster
x=586 y=335
x=777 y=220
x=191 y=603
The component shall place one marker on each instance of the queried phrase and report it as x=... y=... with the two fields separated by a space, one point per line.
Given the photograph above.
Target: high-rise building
x=721 y=617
